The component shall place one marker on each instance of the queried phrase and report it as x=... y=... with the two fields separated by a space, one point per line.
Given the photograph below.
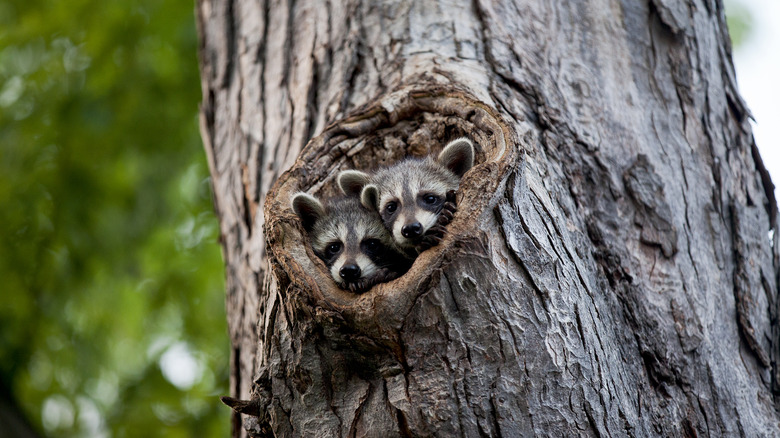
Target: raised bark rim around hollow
x=382 y=307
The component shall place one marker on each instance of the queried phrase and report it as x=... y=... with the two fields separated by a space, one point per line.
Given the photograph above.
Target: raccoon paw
x=428 y=243
x=445 y=216
x=448 y=209
x=436 y=231
x=381 y=276
x=451 y=196
x=385 y=275
x=432 y=237
x=360 y=286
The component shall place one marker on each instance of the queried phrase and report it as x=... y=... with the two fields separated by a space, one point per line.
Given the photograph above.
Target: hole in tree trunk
x=405 y=123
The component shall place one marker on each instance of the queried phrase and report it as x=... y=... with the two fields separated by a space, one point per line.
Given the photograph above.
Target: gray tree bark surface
x=613 y=267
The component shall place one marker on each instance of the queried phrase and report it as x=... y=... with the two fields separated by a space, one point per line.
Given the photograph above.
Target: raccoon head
x=351 y=240
x=410 y=194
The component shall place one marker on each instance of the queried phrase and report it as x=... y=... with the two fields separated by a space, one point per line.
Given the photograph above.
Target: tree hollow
x=407 y=122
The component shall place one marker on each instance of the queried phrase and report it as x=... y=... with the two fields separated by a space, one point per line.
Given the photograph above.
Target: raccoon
x=415 y=197
x=351 y=240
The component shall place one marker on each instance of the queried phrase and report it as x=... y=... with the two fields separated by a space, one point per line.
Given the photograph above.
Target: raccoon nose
x=412 y=230
x=350 y=272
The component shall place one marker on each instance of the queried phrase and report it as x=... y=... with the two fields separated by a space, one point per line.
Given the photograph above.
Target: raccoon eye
x=430 y=199
x=372 y=243
x=333 y=248
x=391 y=207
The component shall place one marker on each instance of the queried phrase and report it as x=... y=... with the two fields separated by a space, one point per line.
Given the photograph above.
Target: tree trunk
x=612 y=269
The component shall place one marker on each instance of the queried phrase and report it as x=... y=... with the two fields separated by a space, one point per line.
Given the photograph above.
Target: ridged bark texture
x=613 y=266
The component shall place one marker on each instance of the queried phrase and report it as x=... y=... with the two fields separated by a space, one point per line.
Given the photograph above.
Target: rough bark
x=612 y=269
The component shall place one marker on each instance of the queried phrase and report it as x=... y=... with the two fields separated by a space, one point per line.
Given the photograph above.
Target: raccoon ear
x=369 y=197
x=457 y=156
x=351 y=182
x=308 y=208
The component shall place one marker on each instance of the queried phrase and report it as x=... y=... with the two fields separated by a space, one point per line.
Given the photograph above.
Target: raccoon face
x=350 y=239
x=410 y=194
x=350 y=251
x=410 y=206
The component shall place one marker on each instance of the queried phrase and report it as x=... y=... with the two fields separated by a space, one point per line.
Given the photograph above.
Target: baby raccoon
x=414 y=197
x=351 y=240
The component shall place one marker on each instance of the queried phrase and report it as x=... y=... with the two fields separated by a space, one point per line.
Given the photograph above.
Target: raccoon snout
x=412 y=231
x=350 y=272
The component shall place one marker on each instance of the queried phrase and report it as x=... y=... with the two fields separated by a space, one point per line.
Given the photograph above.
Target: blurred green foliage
x=739 y=21
x=112 y=319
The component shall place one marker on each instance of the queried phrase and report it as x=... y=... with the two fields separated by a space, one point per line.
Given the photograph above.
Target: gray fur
x=347 y=214
x=346 y=222
x=369 y=197
x=457 y=156
x=405 y=183
x=308 y=208
x=351 y=182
